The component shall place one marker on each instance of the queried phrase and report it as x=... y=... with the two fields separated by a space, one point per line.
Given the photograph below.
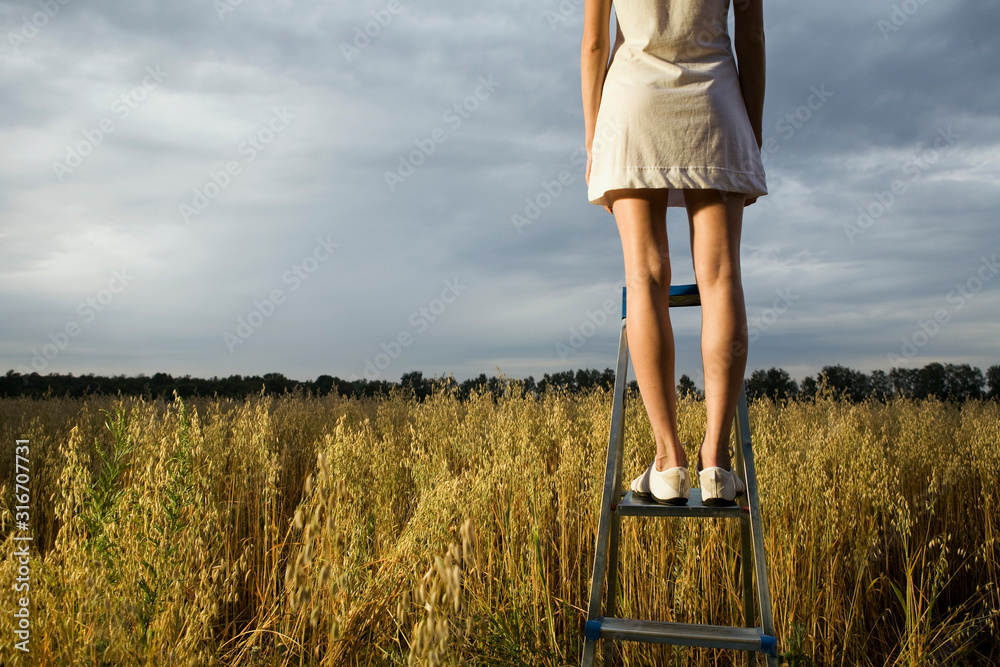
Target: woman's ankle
x=714 y=458
x=667 y=461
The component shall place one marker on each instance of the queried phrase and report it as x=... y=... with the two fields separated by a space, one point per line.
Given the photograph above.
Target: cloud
x=851 y=108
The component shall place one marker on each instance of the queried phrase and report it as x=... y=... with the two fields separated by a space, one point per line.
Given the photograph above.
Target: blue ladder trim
x=768 y=644
x=675 y=290
x=683 y=290
x=592 y=630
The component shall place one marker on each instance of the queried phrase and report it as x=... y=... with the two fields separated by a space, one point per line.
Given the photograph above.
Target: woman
x=671 y=122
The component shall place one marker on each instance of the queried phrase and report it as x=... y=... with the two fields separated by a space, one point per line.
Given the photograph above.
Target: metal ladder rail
x=753 y=525
x=600 y=626
x=609 y=499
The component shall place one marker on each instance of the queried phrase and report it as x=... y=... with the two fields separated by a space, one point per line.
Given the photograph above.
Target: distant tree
x=686 y=387
x=446 y=384
x=846 y=382
x=497 y=386
x=954 y=382
x=993 y=380
x=575 y=381
x=881 y=385
x=930 y=382
x=904 y=381
x=324 y=385
x=478 y=384
x=415 y=380
x=774 y=383
x=963 y=382
x=756 y=385
x=808 y=387
x=565 y=380
x=274 y=383
x=586 y=379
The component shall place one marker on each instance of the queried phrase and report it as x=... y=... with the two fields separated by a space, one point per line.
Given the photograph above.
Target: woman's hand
x=586 y=177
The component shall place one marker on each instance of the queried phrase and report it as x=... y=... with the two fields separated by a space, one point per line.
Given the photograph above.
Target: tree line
x=164 y=385
x=952 y=382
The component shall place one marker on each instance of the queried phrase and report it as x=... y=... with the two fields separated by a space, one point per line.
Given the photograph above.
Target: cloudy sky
x=371 y=188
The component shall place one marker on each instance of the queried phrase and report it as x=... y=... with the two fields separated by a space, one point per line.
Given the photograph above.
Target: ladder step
x=683 y=634
x=632 y=506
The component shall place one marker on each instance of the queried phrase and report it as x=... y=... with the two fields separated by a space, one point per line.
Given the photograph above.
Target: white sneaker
x=720 y=486
x=667 y=487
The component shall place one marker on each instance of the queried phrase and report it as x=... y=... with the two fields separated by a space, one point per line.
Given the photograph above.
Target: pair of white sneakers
x=719 y=487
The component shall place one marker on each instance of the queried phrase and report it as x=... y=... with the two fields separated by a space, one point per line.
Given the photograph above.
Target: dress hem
x=748 y=183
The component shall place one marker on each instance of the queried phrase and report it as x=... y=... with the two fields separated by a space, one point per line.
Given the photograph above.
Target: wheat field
x=303 y=530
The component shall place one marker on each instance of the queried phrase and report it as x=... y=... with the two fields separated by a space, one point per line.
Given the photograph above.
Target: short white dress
x=672 y=113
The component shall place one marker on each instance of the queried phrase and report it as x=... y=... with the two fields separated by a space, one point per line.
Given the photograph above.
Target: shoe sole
x=671 y=501
x=650 y=496
x=718 y=502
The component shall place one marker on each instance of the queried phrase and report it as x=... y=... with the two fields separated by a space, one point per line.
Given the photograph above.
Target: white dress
x=672 y=114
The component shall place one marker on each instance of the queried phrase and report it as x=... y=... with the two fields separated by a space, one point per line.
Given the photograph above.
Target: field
x=333 y=531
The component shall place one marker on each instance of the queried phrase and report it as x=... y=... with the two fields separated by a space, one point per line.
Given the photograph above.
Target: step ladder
x=602 y=624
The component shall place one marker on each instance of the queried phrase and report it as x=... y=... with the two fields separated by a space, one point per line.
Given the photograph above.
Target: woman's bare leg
x=715 y=221
x=641 y=218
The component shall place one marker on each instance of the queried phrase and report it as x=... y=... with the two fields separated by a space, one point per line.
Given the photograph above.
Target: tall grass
x=333 y=531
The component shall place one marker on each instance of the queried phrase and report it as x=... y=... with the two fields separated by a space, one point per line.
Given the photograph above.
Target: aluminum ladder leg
x=603 y=623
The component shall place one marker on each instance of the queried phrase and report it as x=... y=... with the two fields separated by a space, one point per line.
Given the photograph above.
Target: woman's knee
x=642 y=226
x=647 y=267
x=715 y=226
x=643 y=278
x=720 y=276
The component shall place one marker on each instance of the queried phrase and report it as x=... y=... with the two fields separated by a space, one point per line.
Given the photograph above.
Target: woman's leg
x=715 y=220
x=641 y=217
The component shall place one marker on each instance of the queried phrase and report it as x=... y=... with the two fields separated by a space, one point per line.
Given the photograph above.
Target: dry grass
x=333 y=531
